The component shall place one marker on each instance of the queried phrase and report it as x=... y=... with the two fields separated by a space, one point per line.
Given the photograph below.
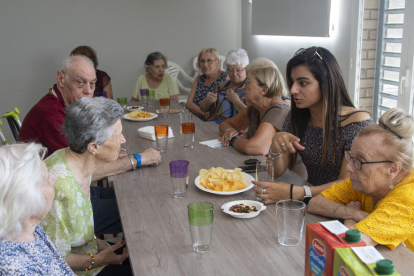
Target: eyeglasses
x=308 y=53
x=235 y=70
x=208 y=61
x=358 y=163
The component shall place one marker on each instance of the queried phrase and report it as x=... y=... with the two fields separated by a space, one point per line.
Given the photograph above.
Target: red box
x=320 y=246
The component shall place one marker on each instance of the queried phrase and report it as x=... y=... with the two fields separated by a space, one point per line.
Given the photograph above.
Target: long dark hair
x=325 y=69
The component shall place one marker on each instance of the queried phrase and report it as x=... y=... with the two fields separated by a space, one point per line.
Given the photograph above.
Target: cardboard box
x=348 y=263
x=321 y=241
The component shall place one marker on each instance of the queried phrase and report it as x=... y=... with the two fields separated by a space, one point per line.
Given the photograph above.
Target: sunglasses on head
x=308 y=53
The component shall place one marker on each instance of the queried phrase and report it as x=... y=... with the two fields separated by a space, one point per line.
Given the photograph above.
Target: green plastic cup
x=200 y=217
x=151 y=96
x=122 y=101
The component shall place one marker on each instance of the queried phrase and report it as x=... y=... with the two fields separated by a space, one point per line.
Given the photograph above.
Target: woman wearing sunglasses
x=321 y=126
x=212 y=76
x=229 y=99
x=264 y=115
x=377 y=199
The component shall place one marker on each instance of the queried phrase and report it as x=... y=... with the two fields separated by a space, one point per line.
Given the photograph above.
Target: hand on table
x=150 y=157
x=227 y=135
x=358 y=214
x=271 y=192
x=109 y=257
x=285 y=143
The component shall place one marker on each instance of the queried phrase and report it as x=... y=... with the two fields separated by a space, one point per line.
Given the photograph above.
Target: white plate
x=136 y=107
x=142 y=120
x=259 y=206
x=247 y=179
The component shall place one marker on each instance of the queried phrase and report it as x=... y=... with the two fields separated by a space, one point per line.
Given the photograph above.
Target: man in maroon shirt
x=43 y=122
x=43 y=125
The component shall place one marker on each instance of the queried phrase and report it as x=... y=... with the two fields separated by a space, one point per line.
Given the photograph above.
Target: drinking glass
x=144 y=98
x=200 y=217
x=264 y=173
x=290 y=218
x=161 y=137
x=179 y=174
x=151 y=96
x=165 y=106
x=188 y=129
x=122 y=101
x=185 y=117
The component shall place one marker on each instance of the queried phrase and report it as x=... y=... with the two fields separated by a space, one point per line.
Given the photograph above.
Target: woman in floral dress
x=93 y=130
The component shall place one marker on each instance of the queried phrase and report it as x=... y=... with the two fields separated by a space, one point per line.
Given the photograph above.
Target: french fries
x=139 y=114
x=219 y=179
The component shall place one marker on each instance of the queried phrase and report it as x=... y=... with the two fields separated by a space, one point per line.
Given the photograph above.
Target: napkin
x=148 y=132
x=215 y=144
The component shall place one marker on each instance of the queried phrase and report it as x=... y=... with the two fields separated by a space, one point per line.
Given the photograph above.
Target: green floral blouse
x=69 y=224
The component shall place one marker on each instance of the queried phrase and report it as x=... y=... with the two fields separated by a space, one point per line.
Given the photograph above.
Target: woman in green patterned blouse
x=93 y=130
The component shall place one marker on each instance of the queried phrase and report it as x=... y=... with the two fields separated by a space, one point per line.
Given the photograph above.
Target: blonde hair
x=397 y=129
x=212 y=51
x=270 y=76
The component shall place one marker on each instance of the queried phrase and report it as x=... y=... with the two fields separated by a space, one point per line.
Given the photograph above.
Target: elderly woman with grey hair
x=156 y=79
x=229 y=98
x=26 y=196
x=93 y=130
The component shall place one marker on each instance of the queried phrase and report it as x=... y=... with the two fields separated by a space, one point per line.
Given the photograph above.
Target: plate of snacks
x=243 y=208
x=140 y=116
x=133 y=108
x=220 y=181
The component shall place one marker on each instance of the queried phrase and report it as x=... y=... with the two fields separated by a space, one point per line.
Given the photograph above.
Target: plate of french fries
x=220 y=181
x=140 y=116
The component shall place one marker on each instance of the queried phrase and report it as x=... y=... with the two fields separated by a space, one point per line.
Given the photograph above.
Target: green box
x=347 y=263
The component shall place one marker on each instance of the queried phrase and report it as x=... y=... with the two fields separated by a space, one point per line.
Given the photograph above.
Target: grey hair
x=20 y=182
x=153 y=57
x=67 y=63
x=237 y=57
x=90 y=120
x=397 y=129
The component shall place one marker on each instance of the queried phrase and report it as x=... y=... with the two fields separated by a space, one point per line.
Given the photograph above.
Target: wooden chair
x=197 y=70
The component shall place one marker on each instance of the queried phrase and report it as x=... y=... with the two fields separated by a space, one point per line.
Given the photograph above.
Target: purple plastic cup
x=144 y=96
x=179 y=177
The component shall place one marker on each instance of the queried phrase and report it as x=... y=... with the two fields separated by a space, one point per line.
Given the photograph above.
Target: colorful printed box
x=347 y=263
x=320 y=246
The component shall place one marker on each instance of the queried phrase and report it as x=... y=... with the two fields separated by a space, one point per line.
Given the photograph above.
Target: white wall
x=281 y=48
x=35 y=36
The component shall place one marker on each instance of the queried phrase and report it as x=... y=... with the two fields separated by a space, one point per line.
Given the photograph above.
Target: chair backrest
x=174 y=69
x=197 y=70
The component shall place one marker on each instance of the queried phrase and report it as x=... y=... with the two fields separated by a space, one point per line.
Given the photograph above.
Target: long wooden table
x=156 y=225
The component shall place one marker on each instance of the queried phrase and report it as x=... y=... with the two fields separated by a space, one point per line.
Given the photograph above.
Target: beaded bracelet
x=92 y=263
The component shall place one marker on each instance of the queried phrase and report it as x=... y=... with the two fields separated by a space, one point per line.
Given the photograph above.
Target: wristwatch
x=308 y=195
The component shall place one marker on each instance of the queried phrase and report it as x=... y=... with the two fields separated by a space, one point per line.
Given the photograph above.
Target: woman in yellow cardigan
x=378 y=199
